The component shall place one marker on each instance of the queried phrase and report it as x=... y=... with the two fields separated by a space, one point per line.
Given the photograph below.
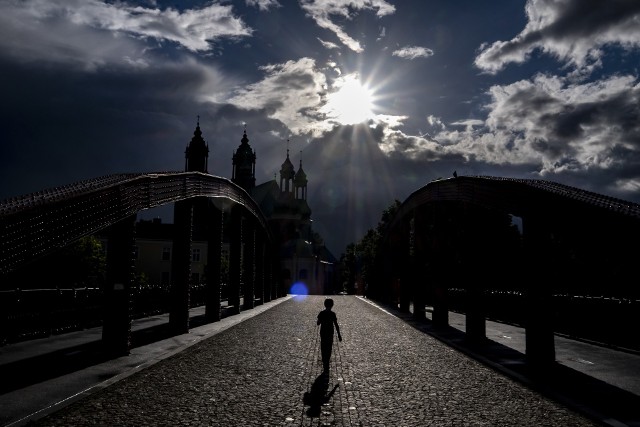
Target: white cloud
x=94 y=33
x=263 y=4
x=298 y=94
x=395 y=143
x=413 y=52
x=555 y=124
x=469 y=124
x=291 y=92
x=435 y=122
x=574 y=31
x=322 y=10
x=328 y=45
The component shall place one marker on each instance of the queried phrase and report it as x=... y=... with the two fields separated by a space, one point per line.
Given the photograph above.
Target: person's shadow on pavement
x=318 y=395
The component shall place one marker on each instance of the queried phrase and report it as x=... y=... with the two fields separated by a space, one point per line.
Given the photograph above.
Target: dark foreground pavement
x=266 y=371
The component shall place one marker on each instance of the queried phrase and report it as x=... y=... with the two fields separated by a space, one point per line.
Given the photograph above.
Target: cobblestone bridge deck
x=266 y=371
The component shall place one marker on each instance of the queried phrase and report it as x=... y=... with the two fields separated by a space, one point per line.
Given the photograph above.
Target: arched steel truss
x=520 y=197
x=560 y=224
x=39 y=223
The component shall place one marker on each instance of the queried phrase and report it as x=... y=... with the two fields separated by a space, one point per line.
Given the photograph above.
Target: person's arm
x=335 y=322
x=319 y=318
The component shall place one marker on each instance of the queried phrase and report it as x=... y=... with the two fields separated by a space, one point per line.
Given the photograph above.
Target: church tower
x=287 y=173
x=197 y=152
x=244 y=165
x=300 y=183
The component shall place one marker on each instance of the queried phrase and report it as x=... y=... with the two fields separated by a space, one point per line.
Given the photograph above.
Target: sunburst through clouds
x=351 y=103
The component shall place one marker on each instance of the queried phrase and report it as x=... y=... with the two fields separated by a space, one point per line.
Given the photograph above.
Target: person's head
x=328 y=303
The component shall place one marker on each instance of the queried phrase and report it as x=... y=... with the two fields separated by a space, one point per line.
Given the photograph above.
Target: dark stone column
x=248 y=264
x=539 y=252
x=235 y=258
x=476 y=325
x=406 y=279
x=118 y=305
x=441 y=265
x=214 y=256
x=260 y=255
x=270 y=273
x=381 y=288
x=476 y=259
x=181 y=267
x=417 y=266
x=277 y=278
x=440 y=304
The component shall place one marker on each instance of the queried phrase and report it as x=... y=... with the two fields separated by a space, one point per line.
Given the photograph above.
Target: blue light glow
x=299 y=289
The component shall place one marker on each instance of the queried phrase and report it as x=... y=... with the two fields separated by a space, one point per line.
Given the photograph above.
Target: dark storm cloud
x=65 y=125
x=582 y=122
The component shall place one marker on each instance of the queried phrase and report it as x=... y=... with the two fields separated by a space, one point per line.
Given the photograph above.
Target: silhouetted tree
x=83 y=263
x=359 y=260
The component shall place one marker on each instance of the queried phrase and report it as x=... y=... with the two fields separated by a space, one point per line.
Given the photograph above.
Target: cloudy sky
x=377 y=98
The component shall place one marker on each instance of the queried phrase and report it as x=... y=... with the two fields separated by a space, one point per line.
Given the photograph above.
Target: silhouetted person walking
x=327 y=319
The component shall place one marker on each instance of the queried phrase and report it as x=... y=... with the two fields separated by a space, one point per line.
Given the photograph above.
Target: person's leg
x=325 y=347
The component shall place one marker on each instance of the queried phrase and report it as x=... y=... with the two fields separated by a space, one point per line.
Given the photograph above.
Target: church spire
x=287 y=173
x=300 y=182
x=197 y=152
x=244 y=164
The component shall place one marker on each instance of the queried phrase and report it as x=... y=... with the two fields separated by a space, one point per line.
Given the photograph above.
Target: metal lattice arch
x=440 y=239
x=39 y=223
x=35 y=225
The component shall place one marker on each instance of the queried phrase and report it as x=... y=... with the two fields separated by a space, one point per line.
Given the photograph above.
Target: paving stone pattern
x=266 y=371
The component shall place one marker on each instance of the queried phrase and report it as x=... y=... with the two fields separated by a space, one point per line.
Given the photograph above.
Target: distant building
x=154 y=252
x=304 y=258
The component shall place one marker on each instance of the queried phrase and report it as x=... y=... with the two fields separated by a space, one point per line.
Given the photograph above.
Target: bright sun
x=351 y=103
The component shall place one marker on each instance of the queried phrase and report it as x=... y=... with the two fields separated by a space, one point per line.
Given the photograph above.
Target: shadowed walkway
x=266 y=371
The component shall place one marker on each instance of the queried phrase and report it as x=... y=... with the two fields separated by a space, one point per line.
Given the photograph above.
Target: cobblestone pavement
x=266 y=371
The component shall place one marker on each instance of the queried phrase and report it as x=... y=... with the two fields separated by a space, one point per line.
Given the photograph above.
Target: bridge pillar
x=116 y=329
x=274 y=276
x=181 y=267
x=539 y=250
x=278 y=282
x=235 y=258
x=260 y=254
x=475 y=321
x=214 y=257
x=249 y=266
x=406 y=277
x=417 y=265
x=476 y=259
x=440 y=316
x=268 y=273
x=382 y=288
